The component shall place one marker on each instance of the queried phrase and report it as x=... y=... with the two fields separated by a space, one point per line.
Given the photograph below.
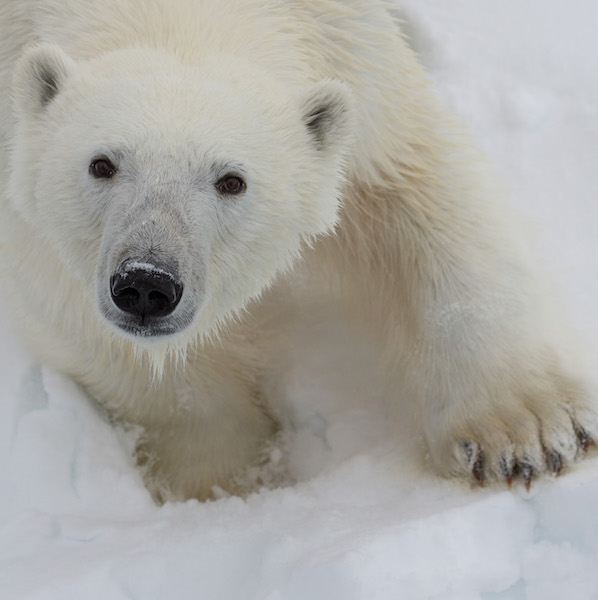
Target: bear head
x=174 y=191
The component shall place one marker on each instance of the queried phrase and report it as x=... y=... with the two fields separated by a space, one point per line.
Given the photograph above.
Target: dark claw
x=508 y=469
x=477 y=469
x=468 y=448
x=475 y=460
x=555 y=460
x=583 y=439
x=527 y=472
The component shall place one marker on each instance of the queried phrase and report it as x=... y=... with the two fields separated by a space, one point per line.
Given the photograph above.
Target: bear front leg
x=463 y=322
x=204 y=424
x=498 y=389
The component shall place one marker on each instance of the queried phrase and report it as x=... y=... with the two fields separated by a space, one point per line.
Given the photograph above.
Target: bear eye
x=102 y=168
x=231 y=185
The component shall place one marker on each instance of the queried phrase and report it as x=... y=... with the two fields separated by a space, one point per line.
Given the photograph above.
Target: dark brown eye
x=102 y=168
x=231 y=185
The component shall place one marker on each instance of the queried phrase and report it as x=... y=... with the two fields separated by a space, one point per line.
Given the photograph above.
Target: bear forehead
x=183 y=104
x=173 y=96
x=164 y=75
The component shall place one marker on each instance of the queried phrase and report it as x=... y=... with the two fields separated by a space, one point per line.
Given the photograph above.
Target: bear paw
x=540 y=432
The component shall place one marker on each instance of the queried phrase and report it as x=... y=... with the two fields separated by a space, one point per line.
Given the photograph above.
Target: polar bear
x=167 y=163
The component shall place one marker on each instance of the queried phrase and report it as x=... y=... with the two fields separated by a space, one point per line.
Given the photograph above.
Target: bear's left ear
x=39 y=76
x=328 y=115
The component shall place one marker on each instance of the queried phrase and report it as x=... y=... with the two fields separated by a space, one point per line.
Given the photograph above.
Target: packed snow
x=363 y=521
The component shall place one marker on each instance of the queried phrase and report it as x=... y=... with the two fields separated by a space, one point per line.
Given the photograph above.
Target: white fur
x=417 y=247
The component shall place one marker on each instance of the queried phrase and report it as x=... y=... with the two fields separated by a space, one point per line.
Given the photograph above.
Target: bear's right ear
x=39 y=76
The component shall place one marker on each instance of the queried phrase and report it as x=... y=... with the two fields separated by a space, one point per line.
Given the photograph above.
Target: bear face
x=162 y=185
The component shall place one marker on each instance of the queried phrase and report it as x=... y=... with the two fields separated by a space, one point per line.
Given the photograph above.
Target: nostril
x=126 y=298
x=159 y=301
x=145 y=290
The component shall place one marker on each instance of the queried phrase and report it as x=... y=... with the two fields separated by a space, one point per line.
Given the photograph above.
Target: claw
x=555 y=460
x=508 y=469
x=527 y=472
x=583 y=438
x=469 y=450
x=475 y=460
x=477 y=469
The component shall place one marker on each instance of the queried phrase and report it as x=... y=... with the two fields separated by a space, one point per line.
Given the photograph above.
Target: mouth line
x=141 y=328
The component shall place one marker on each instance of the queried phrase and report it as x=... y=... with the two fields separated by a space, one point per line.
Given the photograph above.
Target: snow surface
x=363 y=522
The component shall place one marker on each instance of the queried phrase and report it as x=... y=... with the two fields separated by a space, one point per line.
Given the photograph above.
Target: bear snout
x=145 y=290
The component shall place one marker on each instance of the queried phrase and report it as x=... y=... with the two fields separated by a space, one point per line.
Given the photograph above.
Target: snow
x=143 y=266
x=363 y=521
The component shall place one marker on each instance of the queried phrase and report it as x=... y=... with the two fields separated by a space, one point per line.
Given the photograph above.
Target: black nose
x=145 y=290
